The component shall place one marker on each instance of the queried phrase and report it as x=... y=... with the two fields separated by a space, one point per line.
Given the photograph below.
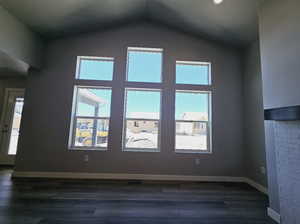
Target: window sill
x=193 y=151
x=87 y=149
x=140 y=150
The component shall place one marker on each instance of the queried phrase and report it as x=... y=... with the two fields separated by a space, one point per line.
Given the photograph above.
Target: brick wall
x=287 y=147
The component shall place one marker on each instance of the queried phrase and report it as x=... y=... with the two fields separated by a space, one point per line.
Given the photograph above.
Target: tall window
x=91 y=110
x=142 y=103
x=141 y=118
x=192 y=107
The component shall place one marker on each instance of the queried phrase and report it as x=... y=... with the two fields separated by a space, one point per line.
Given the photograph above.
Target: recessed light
x=217 y=2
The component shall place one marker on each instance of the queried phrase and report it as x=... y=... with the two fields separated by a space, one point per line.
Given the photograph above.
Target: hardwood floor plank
x=45 y=201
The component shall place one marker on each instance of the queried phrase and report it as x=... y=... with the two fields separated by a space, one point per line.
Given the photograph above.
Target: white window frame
x=208 y=124
x=92 y=58
x=125 y=119
x=196 y=88
x=91 y=84
x=147 y=50
x=195 y=63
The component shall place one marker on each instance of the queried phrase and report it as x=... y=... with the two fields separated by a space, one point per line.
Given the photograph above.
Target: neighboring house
x=148 y=124
x=195 y=127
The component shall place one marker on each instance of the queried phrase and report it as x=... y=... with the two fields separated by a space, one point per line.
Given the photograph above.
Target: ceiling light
x=217 y=2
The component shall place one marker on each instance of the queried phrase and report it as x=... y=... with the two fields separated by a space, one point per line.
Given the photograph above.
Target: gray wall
x=254 y=141
x=45 y=128
x=280 y=52
x=18 y=41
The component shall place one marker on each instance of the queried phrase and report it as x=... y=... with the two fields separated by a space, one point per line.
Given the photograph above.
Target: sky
x=145 y=67
x=96 y=70
x=192 y=74
x=84 y=109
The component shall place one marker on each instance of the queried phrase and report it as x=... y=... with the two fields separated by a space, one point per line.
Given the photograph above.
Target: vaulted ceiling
x=233 y=22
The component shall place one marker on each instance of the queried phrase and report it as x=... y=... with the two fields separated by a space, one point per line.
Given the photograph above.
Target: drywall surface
x=280 y=52
x=255 y=154
x=47 y=112
x=18 y=41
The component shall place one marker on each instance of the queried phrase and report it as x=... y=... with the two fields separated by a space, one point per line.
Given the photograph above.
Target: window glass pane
x=192 y=73
x=102 y=132
x=143 y=104
x=191 y=135
x=191 y=109
x=141 y=134
x=93 y=102
x=192 y=106
x=84 y=132
x=142 y=119
x=16 y=121
x=96 y=69
x=144 y=66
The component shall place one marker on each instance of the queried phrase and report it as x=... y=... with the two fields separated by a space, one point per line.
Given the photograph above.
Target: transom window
x=192 y=72
x=144 y=93
x=95 y=68
x=144 y=64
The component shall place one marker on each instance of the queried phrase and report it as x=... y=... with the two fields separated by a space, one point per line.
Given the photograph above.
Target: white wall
x=254 y=141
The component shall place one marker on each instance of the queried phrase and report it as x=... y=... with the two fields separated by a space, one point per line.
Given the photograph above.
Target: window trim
x=74 y=117
x=162 y=86
x=92 y=58
x=209 y=81
x=158 y=149
x=194 y=89
x=147 y=50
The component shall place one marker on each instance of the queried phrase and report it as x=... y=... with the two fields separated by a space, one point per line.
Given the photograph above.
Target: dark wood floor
x=98 y=202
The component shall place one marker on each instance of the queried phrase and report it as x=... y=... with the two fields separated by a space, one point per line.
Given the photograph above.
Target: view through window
x=15 y=128
x=91 y=108
x=142 y=120
x=143 y=88
x=192 y=120
x=144 y=64
x=92 y=117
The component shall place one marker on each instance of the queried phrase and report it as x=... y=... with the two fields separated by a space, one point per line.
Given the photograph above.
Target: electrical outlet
x=197 y=162
x=86 y=158
x=263 y=170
